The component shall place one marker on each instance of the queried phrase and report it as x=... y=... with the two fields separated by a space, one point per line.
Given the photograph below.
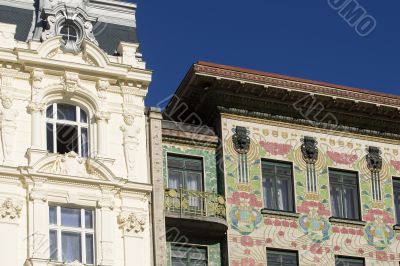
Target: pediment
x=91 y=54
x=71 y=164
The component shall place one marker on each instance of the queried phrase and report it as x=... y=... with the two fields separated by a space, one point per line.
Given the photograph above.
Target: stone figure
x=8 y=128
x=130 y=141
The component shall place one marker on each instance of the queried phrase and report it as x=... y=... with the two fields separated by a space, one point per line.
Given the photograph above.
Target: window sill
x=347 y=221
x=396 y=227
x=267 y=212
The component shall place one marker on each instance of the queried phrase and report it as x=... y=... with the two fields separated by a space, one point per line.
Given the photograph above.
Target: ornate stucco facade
x=65 y=87
x=312 y=132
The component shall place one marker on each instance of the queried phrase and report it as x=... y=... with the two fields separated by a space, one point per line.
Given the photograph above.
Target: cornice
x=189 y=142
x=304 y=124
x=302 y=86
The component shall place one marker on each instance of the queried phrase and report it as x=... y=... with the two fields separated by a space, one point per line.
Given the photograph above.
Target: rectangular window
x=278 y=186
x=282 y=258
x=347 y=261
x=188 y=255
x=71 y=234
x=186 y=172
x=344 y=194
x=396 y=195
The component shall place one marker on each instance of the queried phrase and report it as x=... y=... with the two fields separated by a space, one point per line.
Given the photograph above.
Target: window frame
x=397 y=213
x=190 y=245
x=292 y=183
x=337 y=257
x=356 y=173
x=283 y=251
x=82 y=230
x=54 y=121
x=187 y=156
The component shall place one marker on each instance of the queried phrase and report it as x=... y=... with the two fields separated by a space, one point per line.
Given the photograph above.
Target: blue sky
x=305 y=39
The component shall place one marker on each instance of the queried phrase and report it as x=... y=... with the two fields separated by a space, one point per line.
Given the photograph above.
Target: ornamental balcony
x=193 y=211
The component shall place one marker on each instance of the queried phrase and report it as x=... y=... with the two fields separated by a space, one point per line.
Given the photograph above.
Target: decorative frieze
x=131 y=223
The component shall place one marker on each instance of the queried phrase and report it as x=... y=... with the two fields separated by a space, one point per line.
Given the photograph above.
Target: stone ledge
x=347 y=221
x=266 y=212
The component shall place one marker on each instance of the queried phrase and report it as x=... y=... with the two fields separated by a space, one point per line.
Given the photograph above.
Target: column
x=156 y=161
x=102 y=118
x=105 y=231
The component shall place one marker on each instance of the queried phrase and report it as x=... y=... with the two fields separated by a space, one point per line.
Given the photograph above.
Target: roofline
x=310 y=86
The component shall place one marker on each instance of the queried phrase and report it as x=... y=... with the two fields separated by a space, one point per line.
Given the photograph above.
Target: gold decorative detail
x=10 y=210
x=195 y=203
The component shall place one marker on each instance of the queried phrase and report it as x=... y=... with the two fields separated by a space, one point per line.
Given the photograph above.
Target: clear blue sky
x=305 y=39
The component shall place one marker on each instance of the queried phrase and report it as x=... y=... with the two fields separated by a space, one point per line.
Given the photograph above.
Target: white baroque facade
x=74 y=178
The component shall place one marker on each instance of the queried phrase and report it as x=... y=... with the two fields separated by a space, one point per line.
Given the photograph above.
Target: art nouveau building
x=74 y=178
x=310 y=171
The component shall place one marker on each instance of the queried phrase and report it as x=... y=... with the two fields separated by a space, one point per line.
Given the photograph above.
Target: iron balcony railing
x=195 y=203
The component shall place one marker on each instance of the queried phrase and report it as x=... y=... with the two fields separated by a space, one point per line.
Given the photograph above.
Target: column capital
x=102 y=115
x=34 y=107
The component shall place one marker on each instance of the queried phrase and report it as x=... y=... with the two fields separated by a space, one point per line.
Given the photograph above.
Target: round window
x=69 y=33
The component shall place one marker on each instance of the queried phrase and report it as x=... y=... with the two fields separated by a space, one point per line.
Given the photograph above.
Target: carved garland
x=131 y=223
x=9 y=210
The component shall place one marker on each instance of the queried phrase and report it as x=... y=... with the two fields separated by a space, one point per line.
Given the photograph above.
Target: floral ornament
x=378 y=232
x=131 y=223
x=395 y=164
x=276 y=148
x=314 y=222
x=9 y=210
x=244 y=214
x=342 y=158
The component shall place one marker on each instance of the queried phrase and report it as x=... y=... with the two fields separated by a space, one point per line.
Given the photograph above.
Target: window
x=186 y=172
x=278 y=186
x=347 y=261
x=69 y=32
x=396 y=195
x=344 y=194
x=281 y=258
x=67 y=129
x=188 y=255
x=71 y=234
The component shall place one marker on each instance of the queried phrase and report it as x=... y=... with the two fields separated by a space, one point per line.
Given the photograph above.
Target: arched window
x=69 y=32
x=67 y=129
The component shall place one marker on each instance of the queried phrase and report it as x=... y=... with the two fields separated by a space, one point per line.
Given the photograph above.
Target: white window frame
x=82 y=230
x=54 y=121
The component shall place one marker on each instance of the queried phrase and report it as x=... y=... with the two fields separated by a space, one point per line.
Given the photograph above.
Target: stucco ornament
x=309 y=149
x=241 y=140
x=131 y=223
x=69 y=164
x=130 y=141
x=68 y=13
x=8 y=127
x=374 y=159
x=70 y=81
x=9 y=210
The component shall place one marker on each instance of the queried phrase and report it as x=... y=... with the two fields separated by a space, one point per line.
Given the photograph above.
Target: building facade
x=310 y=171
x=74 y=184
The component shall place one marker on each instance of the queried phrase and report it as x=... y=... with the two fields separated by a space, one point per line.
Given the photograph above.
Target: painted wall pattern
x=316 y=238
x=210 y=185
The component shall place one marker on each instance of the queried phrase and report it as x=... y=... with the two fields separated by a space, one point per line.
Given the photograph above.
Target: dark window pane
x=84 y=142
x=175 y=178
x=66 y=112
x=188 y=255
x=71 y=247
x=53 y=244
x=52 y=215
x=49 y=111
x=344 y=194
x=396 y=196
x=343 y=261
x=71 y=217
x=89 y=249
x=84 y=118
x=67 y=138
x=49 y=137
x=281 y=258
x=193 y=181
x=278 y=186
x=88 y=219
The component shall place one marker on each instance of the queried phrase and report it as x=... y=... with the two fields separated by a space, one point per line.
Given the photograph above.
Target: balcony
x=195 y=210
